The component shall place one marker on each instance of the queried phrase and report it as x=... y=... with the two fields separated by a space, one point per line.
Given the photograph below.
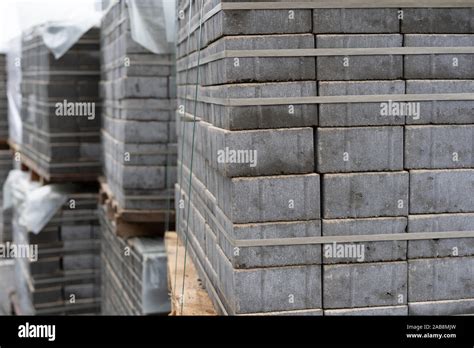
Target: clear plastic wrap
x=61 y=23
x=34 y=204
x=152 y=23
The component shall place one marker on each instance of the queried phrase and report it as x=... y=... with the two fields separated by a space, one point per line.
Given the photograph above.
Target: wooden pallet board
x=38 y=174
x=196 y=301
x=133 y=223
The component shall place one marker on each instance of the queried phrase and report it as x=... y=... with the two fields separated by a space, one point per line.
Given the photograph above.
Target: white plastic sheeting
x=18 y=16
x=34 y=204
x=14 y=91
x=62 y=22
x=152 y=23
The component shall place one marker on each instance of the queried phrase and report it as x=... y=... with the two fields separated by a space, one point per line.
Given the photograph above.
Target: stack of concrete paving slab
x=63 y=275
x=139 y=132
x=6 y=163
x=440 y=159
x=269 y=170
x=139 y=154
x=3 y=99
x=61 y=110
x=134 y=273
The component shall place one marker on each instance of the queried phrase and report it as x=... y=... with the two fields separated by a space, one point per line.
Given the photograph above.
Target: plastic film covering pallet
x=326 y=155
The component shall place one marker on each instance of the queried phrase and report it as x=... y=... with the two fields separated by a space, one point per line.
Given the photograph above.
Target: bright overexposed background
x=19 y=15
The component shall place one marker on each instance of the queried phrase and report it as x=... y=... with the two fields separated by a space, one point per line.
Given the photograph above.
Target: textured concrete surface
x=359 y=149
x=441 y=279
x=365 y=285
x=365 y=195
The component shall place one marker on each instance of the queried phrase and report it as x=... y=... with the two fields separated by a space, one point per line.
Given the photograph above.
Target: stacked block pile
x=331 y=169
x=138 y=132
x=134 y=273
x=65 y=278
x=6 y=163
x=139 y=153
x=60 y=111
x=3 y=99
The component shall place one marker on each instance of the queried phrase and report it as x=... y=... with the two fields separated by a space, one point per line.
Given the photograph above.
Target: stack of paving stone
x=65 y=278
x=139 y=153
x=139 y=132
x=333 y=170
x=134 y=273
x=6 y=163
x=60 y=109
x=3 y=99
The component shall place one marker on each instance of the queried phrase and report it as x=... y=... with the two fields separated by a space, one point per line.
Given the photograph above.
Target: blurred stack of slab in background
x=61 y=110
x=60 y=145
x=61 y=275
x=139 y=154
x=6 y=161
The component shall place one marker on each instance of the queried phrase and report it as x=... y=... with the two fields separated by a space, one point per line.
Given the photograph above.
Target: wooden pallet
x=38 y=174
x=133 y=223
x=195 y=299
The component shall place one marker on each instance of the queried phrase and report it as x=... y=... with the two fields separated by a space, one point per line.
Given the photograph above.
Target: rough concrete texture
x=438 y=20
x=442 y=112
x=275 y=198
x=359 y=67
x=271 y=289
x=365 y=285
x=440 y=247
x=373 y=251
x=434 y=66
x=359 y=149
x=365 y=195
x=230 y=70
x=355 y=21
x=441 y=279
x=433 y=147
x=441 y=191
x=357 y=114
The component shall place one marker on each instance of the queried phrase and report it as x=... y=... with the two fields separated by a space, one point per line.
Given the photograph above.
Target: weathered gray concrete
x=373 y=251
x=359 y=67
x=365 y=285
x=365 y=195
x=456 y=66
x=441 y=191
x=440 y=247
x=439 y=147
x=355 y=21
x=438 y=20
x=442 y=112
x=357 y=114
x=359 y=149
x=441 y=279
